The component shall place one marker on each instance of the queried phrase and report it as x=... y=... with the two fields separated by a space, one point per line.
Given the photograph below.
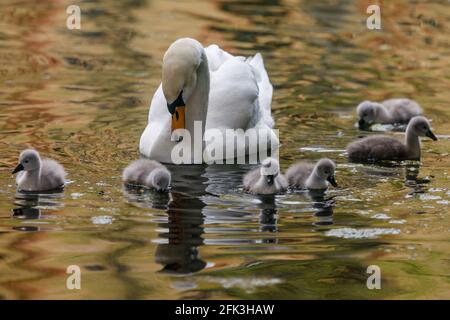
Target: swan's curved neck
x=315 y=181
x=197 y=104
x=412 y=142
x=383 y=115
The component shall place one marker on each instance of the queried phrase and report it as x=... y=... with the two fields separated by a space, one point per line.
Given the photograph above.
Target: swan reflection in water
x=406 y=170
x=30 y=205
x=193 y=205
x=180 y=252
x=188 y=213
x=412 y=180
x=146 y=198
x=268 y=216
x=323 y=208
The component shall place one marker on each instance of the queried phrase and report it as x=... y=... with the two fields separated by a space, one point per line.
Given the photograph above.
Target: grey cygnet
x=147 y=173
x=266 y=179
x=305 y=175
x=389 y=111
x=36 y=174
x=382 y=147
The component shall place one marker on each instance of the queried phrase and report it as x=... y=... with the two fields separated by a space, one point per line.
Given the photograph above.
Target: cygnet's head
x=421 y=127
x=159 y=179
x=270 y=168
x=29 y=160
x=325 y=169
x=367 y=112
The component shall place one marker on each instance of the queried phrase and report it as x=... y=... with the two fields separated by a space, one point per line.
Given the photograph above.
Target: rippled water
x=82 y=97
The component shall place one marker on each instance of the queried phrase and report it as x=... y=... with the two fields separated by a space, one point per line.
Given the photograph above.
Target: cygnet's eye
x=26 y=161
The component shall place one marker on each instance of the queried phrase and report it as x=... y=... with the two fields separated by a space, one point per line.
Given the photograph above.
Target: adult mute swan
x=207 y=91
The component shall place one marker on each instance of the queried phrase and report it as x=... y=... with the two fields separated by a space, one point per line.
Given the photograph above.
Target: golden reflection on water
x=82 y=97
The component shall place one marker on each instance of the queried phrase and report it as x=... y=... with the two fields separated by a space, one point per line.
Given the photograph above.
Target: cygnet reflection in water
x=268 y=216
x=29 y=205
x=324 y=207
x=417 y=185
x=146 y=198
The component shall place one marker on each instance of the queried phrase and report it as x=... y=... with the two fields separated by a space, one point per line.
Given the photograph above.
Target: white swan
x=214 y=87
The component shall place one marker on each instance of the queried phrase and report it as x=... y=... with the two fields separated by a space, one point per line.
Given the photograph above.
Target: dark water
x=82 y=98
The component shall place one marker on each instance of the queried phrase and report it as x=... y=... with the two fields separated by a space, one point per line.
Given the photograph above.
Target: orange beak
x=178 y=118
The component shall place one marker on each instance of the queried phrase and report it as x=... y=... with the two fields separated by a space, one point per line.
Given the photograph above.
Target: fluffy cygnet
x=266 y=179
x=381 y=147
x=147 y=173
x=390 y=111
x=304 y=175
x=36 y=174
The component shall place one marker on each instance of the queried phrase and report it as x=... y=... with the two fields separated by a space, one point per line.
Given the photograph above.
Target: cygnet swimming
x=389 y=111
x=305 y=175
x=36 y=174
x=381 y=147
x=266 y=179
x=147 y=173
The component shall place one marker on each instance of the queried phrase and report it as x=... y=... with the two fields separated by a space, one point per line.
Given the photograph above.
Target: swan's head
x=270 y=168
x=179 y=76
x=325 y=169
x=367 y=112
x=159 y=179
x=421 y=127
x=29 y=160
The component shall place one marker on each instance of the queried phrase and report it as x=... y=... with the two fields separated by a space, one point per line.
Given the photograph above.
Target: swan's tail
x=265 y=88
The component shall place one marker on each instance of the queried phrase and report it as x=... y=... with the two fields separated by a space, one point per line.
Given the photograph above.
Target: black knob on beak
x=177 y=103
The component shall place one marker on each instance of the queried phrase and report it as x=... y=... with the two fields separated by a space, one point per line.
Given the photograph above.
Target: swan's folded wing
x=216 y=57
x=52 y=175
x=262 y=117
x=402 y=109
x=233 y=96
x=265 y=90
x=157 y=128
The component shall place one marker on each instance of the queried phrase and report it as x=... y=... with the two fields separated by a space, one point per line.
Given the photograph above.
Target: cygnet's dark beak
x=18 y=168
x=332 y=180
x=431 y=135
x=270 y=179
x=363 y=125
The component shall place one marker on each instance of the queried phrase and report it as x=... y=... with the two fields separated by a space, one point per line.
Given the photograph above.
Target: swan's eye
x=26 y=161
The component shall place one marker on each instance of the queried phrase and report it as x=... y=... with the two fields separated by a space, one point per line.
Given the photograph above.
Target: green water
x=82 y=97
